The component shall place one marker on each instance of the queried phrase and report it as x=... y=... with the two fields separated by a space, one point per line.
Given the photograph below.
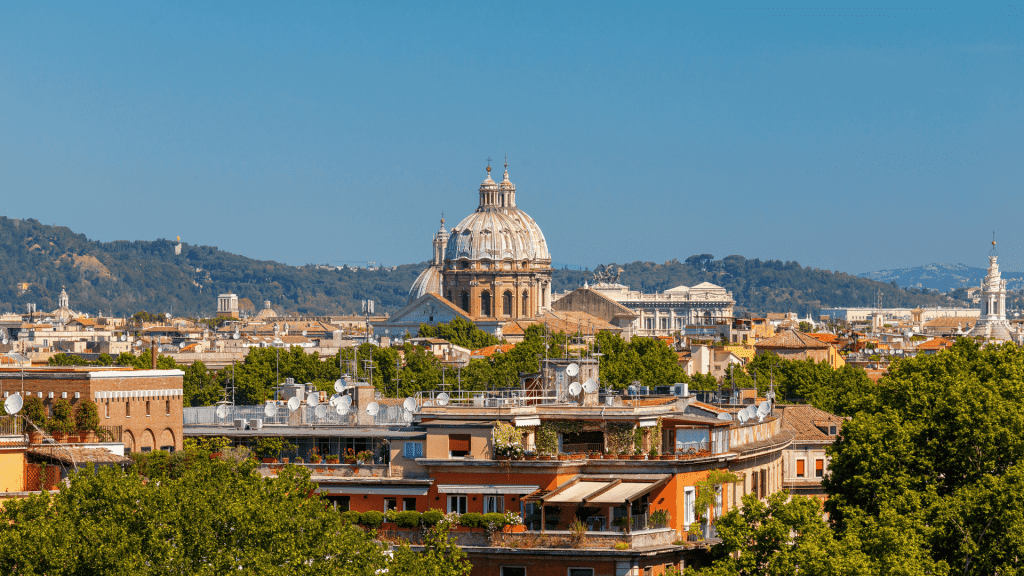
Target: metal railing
x=582 y=448
x=11 y=426
x=207 y=415
x=638 y=522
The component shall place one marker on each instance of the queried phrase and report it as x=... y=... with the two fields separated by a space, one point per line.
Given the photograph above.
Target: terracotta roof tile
x=803 y=420
x=790 y=338
x=935 y=344
x=491 y=350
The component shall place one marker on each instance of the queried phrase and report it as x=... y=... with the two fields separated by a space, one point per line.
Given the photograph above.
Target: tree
x=647 y=360
x=460 y=332
x=200 y=387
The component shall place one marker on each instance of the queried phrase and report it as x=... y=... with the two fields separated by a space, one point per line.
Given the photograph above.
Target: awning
x=479 y=489
x=605 y=490
x=648 y=422
x=577 y=492
x=622 y=492
x=522 y=422
x=384 y=490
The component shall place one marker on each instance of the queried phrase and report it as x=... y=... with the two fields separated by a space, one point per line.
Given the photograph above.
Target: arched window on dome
x=485 y=303
x=507 y=302
x=526 y=300
x=465 y=301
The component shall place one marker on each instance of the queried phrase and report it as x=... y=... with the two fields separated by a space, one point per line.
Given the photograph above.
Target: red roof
x=935 y=344
x=491 y=350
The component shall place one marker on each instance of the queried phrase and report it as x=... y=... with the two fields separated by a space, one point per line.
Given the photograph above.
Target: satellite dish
x=167 y=315
x=320 y=411
x=270 y=410
x=13 y=404
x=181 y=345
x=304 y=333
x=407 y=416
x=409 y=404
x=742 y=416
x=575 y=388
x=763 y=409
x=372 y=408
x=124 y=337
x=5 y=340
x=293 y=403
x=313 y=399
x=339 y=385
x=725 y=416
x=442 y=399
x=345 y=401
x=222 y=411
x=572 y=369
x=590 y=386
x=341 y=409
x=235 y=336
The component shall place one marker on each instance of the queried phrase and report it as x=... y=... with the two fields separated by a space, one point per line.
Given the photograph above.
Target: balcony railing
x=586 y=448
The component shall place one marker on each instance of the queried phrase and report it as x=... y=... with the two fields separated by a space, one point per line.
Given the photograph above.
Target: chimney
x=152 y=353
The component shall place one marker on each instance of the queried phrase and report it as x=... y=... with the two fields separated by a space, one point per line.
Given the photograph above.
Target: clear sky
x=856 y=138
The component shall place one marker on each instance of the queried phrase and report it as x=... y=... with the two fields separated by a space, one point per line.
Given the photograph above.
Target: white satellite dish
x=124 y=337
x=742 y=416
x=763 y=409
x=372 y=408
x=13 y=404
x=409 y=404
x=270 y=410
x=590 y=386
x=167 y=315
x=5 y=340
x=407 y=416
x=235 y=336
x=575 y=388
x=304 y=333
x=293 y=403
x=320 y=411
x=345 y=401
x=313 y=399
x=442 y=399
x=181 y=345
x=222 y=411
x=341 y=409
x=725 y=416
x=339 y=385
x=572 y=369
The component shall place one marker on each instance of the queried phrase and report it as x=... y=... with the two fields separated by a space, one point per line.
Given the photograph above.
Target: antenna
x=270 y=410
x=572 y=369
x=293 y=403
x=590 y=386
x=442 y=399
x=14 y=403
x=372 y=408
x=409 y=404
x=725 y=416
x=313 y=399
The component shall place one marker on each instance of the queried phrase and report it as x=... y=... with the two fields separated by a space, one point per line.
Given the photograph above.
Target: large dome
x=428 y=282
x=498 y=230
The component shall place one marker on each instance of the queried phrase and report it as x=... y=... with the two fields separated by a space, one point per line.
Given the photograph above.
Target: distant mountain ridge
x=942 y=277
x=123 y=277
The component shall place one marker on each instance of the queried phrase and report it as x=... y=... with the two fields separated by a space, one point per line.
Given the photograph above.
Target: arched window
x=506 y=301
x=465 y=301
x=707 y=317
x=485 y=303
x=526 y=307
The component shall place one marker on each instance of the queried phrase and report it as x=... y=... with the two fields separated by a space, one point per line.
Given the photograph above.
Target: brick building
x=142 y=408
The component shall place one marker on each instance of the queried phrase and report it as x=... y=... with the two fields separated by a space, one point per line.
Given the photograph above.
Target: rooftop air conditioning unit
x=256 y=424
x=240 y=423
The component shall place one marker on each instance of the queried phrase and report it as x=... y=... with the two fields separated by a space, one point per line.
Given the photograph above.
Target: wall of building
x=437 y=442
x=12 y=469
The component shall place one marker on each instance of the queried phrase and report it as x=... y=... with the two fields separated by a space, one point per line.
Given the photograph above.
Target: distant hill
x=942 y=277
x=123 y=277
x=761 y=286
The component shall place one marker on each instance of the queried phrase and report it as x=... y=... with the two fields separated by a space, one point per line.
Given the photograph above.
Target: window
x=506 y=303
x=648 y=571
x=167 y=407
x=689 y=502
x=718 y=501
x=147 y=408
x=128 y=409
x=800 y=468
x=581 y=572
x=147 y=449
x=465 y=301
x=649 y=323
x=754 y=485
x=664 y=323
x=413 y=450
x=342 y=503
x=819 y=468
x=106 y=409
x=832 y=430
x=457 y=504
x=168 y=449
x=485 y=303
x=494 y=504
x=458 y=445
x=409 y=504
x=513 y=571
x=763 y=476
x=390 y=504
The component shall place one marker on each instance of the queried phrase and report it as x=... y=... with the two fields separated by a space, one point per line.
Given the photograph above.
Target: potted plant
x=62 y=423
x=530 y=455
x=668 y=456
x=333 y=459
x=299 y=460
x=87 y=420
x=314 y=456
x=350 y=456
x=269 y=448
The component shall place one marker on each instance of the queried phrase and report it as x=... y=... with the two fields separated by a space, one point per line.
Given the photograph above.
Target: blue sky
x=853 y=138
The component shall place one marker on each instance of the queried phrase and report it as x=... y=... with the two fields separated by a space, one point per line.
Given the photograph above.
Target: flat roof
x=305 y=431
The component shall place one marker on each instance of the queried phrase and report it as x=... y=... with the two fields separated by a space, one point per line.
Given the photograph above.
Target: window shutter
x=819 y=468
x=458 y=443
x=800 y=468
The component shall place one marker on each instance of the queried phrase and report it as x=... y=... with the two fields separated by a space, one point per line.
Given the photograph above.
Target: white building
x=992 y=323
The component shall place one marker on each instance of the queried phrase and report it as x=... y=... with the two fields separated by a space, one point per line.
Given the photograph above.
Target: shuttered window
x=458 y=444
x=819 y=468
x=799 y=468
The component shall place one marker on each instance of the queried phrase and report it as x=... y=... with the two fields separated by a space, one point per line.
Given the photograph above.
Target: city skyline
x=339 y=134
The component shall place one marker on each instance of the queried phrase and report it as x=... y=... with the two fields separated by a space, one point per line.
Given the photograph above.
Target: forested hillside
x=761 y=286
x=123 y=277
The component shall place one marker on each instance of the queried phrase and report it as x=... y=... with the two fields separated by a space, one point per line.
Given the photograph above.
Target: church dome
x=428 y=282
x=498 y=230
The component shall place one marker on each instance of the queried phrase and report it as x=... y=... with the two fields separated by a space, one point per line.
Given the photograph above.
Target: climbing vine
x=656 y=438
x=508 y=440
x=547 y=434
x=620 y=436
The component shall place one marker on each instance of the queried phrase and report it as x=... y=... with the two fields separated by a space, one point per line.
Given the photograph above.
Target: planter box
x=667 y=457
x=270 y=460
x=35 y=437
x=513 y=529
x=530 y=458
